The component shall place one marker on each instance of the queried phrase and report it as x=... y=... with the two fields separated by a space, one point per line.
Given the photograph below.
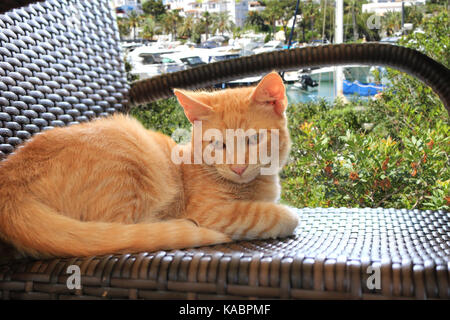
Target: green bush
x=337 y=161
x=164 y=116
x=391 y=152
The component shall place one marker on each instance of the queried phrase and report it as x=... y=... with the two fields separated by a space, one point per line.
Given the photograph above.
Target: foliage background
x=390 y=152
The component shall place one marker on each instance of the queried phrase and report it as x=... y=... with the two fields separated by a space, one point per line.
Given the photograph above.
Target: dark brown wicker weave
x=56 y=70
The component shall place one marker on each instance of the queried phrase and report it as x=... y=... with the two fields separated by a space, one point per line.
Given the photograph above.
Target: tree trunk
x=286 y=36
x=355 y=26
x=303 y=32
x=273 y=29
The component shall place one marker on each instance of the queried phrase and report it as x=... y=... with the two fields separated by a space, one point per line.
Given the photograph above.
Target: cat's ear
x=271 y=90
x=193 y=109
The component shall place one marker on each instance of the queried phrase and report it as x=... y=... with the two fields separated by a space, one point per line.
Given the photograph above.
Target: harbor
x=302 y=85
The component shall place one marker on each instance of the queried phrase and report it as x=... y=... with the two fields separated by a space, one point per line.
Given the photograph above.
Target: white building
x=127 y=4
x=255 y=6
x=380 y=7
x=175 y=4
x=237 y=9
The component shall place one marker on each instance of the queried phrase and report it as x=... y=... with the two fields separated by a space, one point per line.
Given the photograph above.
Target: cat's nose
x=239 y=169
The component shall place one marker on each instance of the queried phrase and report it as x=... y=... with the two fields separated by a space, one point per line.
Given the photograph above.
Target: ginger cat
x=109 y=186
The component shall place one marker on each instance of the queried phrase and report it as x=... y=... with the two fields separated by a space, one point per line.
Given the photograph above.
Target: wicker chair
x=60 y=64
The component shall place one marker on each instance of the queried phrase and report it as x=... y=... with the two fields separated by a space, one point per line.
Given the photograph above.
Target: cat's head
x=243 y=131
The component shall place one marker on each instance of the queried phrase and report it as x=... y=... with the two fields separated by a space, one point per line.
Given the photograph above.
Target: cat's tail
x=36 y=230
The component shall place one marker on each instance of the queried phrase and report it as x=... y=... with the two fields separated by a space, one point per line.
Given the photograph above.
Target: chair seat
x=336 y=253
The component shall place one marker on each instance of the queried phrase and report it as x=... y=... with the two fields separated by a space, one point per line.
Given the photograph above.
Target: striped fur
x=109 y=186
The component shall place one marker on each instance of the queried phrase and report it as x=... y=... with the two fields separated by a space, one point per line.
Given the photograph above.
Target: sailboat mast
x=338 y=38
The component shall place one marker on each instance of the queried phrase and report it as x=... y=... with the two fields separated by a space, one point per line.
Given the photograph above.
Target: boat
x=242 y=82
x=362 y=89
x=248 y=42
x=351 y=72
x=128 y=47
x=177 y=61
x=221 y=53
x=146 y=61
x=319 y=74
x=306 y=83
x=270 y=46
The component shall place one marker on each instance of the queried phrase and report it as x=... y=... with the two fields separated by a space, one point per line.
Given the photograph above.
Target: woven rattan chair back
x=60 y=64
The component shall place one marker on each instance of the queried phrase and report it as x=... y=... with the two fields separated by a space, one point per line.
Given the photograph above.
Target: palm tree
x=325 y=22
x=287 y=9
x=310 y=13
x=255 y=20
x=306 y=15
x=355 y=11
x=133 y=21
x=392 y=22
x=166 y=28
x=364 y=30
x=124 y=27
x=222 y=22
x=206 y=20
x=413 y=15
x=272 y=13
x=149 y=27
x=187 y=27
x=351 y=10
x=171 y=21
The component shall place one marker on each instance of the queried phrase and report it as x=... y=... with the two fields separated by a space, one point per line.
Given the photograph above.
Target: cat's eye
x=254 y=139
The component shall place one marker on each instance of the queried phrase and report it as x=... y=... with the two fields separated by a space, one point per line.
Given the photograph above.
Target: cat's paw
x=278 y=222
x=287 y=222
